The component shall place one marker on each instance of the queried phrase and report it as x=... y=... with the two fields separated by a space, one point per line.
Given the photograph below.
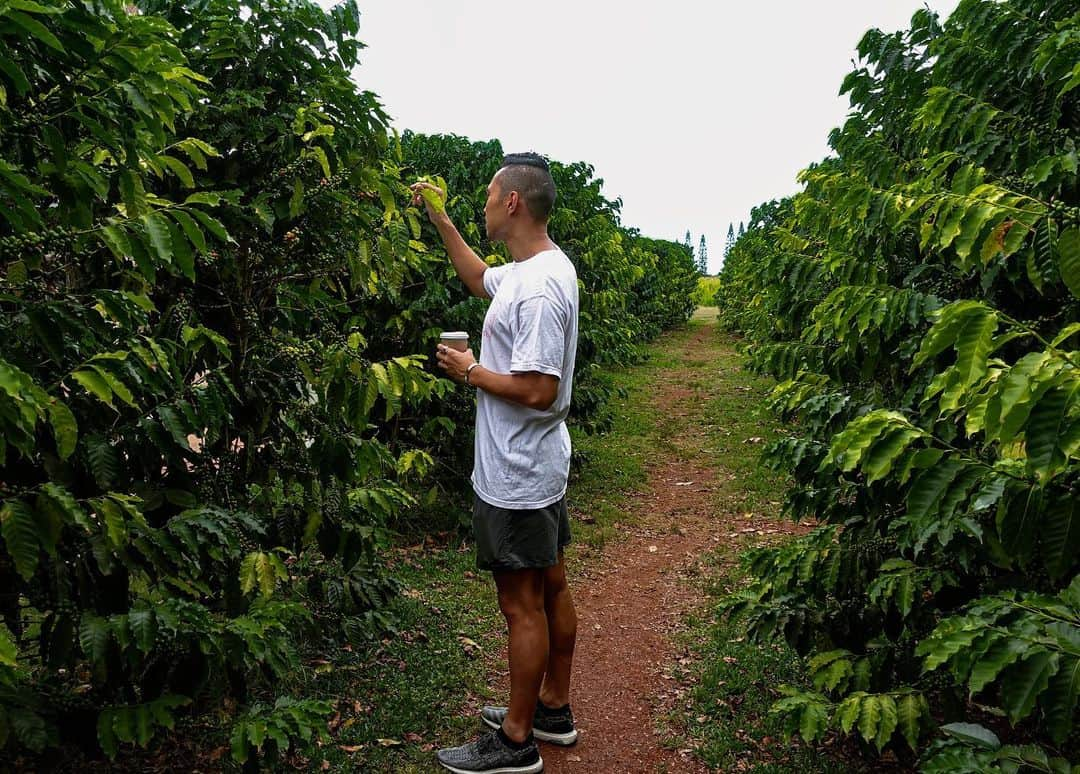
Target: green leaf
x=31 y=7
x=1059 y=700
x=62 y=499
x=65 y=428
x=116 y=240
x=974 y=344
x=1024 y=681
x=21 y=538
x=1065 y=334
x=112 y=517
x=212 y=224
x=103 y=460
x=190 y=228
x=973 y=734
x=118 y=388
x=265 y=214
x=8 y=652
x=813 y=721
x=1003 y=653
x=180 y=169
x=94 y=638
x=869 y=717
x=14 y=74
x=296 y=201
x=36 y=29
x=183 y=255
x=239 y=743
x=1068 y=248
x=324 y=162
x=926 y=492
x=1016 y=523
x=883 y=454
x=124 y=724
x=157 y=230
x=106 y=735
x=887 y=721
x=171 y=421
x=93 y=383
x=144 y=626
x=910 y=715
x=1044 y=432
x=1060 y=535
x=29 y=728
x=144 y=730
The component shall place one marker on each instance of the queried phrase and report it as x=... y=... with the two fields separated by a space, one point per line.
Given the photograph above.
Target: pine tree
x=742 y=228
x=703 y=257
x=730 y=243
x=688 y=243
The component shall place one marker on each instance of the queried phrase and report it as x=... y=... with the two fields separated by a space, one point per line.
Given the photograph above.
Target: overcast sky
x=691 y=112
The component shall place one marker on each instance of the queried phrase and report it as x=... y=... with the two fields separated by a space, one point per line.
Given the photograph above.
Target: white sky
x=691 y=112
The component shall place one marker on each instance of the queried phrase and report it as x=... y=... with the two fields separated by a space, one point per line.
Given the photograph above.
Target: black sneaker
x=549 y=725
x=490 y=755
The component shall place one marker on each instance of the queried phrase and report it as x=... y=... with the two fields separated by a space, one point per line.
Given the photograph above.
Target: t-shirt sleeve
x=493 y=277
x=540 y=337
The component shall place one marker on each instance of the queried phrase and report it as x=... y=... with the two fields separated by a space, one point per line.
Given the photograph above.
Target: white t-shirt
x=522 y=454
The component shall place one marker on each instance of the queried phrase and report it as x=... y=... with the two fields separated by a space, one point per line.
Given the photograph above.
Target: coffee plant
x=919 y=304
x=215 y=399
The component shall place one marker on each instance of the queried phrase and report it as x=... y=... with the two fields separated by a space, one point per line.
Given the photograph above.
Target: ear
x=512 y=202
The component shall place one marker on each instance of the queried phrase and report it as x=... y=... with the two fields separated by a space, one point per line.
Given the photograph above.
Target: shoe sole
x=563 y=740
x=532 y=769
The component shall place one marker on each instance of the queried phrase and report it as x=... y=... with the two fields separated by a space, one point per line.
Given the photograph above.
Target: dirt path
x=632 y=595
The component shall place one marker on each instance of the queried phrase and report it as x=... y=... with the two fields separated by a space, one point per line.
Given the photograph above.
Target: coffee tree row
x=215 y=400
x=919 y=302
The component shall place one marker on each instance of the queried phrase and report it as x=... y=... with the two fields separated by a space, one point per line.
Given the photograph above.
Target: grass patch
x=726 y=720
x=404 y=699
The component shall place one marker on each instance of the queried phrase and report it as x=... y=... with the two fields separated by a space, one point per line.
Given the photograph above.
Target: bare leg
x=521 y=599
x=562 y=634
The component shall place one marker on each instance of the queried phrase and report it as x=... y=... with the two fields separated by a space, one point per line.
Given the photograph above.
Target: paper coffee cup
x=458 y=340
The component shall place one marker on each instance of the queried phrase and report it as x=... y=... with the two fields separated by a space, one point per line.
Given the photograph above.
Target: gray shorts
x=516 y=539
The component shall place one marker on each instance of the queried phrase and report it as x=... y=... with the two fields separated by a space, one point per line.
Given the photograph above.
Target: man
x=523 y=382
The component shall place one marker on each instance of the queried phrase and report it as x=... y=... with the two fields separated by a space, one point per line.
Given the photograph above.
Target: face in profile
x=494 y=212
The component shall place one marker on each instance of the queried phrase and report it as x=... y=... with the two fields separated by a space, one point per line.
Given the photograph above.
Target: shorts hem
x=511 y=566
x=498 y=503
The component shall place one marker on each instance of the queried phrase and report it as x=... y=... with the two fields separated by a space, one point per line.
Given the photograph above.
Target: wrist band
x=469 y=371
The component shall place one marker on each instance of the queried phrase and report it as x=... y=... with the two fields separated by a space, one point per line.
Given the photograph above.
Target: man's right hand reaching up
x=468 y=265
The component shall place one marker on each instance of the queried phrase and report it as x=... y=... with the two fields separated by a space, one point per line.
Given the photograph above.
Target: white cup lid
x=454 y=335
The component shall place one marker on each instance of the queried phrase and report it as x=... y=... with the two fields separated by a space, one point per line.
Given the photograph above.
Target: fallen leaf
x=653 y=549
x=350 y=748
x=388 y=742
x=471 y=646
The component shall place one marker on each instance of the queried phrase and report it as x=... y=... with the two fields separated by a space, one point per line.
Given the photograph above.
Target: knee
x=517 y=609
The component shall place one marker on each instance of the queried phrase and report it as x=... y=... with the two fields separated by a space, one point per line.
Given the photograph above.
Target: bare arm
x=468 y=265
x=531 y=389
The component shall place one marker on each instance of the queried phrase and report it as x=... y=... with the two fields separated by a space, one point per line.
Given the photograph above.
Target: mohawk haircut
x=529 y=175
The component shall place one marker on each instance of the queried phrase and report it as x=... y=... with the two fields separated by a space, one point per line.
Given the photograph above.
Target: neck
x=527 y=244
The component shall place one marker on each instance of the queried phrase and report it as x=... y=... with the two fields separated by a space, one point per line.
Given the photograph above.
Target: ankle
x=517 y=735
x=554 y=702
